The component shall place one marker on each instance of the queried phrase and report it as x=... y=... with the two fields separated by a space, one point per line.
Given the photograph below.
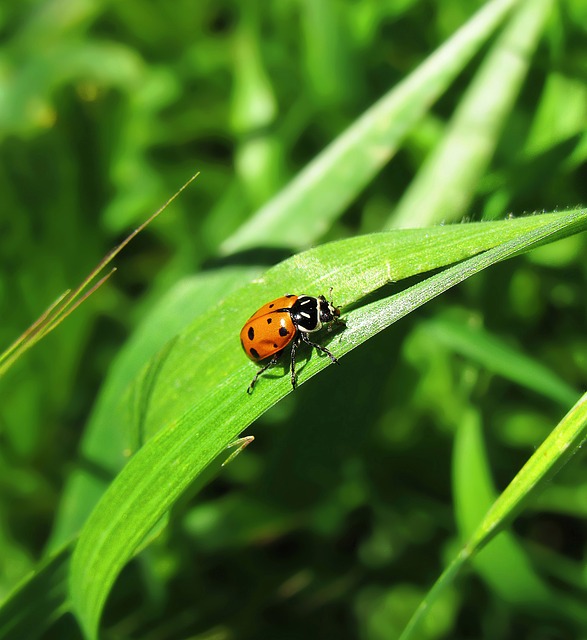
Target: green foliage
x=432 y=448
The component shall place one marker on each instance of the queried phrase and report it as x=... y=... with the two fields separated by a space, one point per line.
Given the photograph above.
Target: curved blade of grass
x=449 y=178
x=305 y=209
x=354 y=268
x=560 y=446
x=200 y=426
x=106 y=444
x=503 y=564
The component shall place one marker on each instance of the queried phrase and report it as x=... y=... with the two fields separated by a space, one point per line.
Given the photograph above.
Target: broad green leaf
x=106 y=442
x=200 y=400
x=354 y=268
x=305 y=209
x=448 y=180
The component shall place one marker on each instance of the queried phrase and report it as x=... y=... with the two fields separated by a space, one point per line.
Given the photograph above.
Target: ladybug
x=286 y=320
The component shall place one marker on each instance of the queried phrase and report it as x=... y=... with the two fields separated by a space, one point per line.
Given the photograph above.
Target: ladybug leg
x=271 y=362
x=294 y=346
x=318 y=346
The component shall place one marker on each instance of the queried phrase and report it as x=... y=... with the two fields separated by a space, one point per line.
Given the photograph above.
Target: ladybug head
x=328 y=312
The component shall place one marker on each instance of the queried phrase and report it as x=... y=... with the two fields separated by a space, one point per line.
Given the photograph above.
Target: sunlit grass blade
x=558 y=448
x=306 y=208
x=198 y=428
x=354 y=268
x=106 y=443
x=449 y=178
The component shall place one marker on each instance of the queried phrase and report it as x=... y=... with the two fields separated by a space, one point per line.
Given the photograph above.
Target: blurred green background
x=339 y=517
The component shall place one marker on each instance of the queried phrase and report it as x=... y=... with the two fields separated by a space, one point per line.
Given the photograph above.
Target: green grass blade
x=474 y=493
x=106 y=443
x=201 y=398
x=305 y=209
x=448 y=180
x=354 y=268
x=558 y=448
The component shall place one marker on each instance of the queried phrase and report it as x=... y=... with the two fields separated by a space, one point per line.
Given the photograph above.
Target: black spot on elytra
x=254 y=353
x=251 y=333
x=269 y=320
x=283 y=332
x=272 y=305
x=274 y=346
